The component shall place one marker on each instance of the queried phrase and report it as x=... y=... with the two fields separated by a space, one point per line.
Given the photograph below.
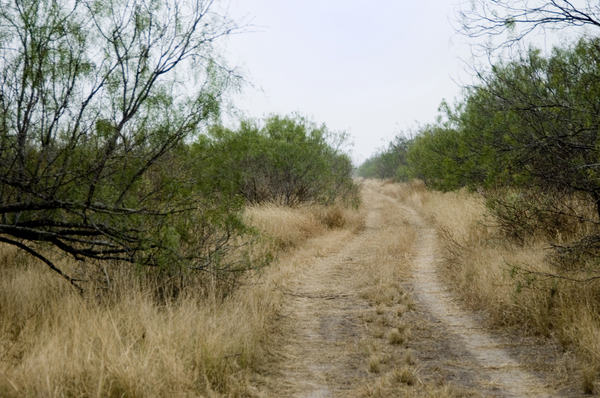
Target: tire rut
x=491 y=361
x=322 y=328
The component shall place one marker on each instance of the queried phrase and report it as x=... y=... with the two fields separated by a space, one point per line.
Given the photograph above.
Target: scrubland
x=518 y=283
x=128 y=340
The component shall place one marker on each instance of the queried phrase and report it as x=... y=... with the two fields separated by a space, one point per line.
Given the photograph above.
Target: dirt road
x=371 y=317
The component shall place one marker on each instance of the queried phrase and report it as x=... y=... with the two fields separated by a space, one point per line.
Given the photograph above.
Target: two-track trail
x=327 y=344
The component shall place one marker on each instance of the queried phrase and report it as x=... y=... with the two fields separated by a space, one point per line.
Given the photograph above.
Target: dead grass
x=56 y=343
x=290 y=227
x=398 y=336
x=394 y=369
x=508 y=280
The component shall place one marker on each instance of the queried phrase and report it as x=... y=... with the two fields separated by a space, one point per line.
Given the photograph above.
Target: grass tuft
x=375 y=364
x=588 y=378
x=405 y=375
x=396 y=337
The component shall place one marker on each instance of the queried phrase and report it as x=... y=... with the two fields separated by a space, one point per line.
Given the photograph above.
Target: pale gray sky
x=371 y=68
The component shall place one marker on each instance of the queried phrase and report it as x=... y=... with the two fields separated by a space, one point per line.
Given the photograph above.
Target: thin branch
x=34 y=253
x=553 y=276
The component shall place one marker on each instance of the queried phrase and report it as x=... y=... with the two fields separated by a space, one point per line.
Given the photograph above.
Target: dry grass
x=493 y=273
x=393 y=367
x=405 y=375
x=398 y=336
x=56 y=343
x=290 y=227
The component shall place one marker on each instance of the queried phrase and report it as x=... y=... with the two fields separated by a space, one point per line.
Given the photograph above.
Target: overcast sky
x=372 y=68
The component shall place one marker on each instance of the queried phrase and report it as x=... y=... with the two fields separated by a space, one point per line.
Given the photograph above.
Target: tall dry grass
x=126 y=343
x=510 y=281
x=289 y=227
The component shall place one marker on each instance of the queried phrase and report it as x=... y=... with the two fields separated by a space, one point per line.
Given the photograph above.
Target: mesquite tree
x=286 y=159
x=96 y=98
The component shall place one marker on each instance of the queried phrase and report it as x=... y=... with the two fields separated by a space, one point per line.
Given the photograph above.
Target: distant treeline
x=526 y=135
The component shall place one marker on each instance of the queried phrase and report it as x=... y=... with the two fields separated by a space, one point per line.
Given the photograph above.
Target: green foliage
x=435 y=157
x=96 y=103
x=389 y=162
x=287 y=159
x=524 y=212
x=531 y=126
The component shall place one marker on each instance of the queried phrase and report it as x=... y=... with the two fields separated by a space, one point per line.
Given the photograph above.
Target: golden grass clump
x=405 y=375
x=289 y=227
x=397 y=337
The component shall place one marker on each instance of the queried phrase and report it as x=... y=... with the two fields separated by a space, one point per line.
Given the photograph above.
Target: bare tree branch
x=514 y=20
x=36 y=254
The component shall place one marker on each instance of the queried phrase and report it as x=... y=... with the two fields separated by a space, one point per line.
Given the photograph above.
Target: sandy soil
x=324 y=329
x=322 y=323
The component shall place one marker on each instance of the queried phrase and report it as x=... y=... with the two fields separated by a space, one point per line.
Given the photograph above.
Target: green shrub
x=283 y=159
